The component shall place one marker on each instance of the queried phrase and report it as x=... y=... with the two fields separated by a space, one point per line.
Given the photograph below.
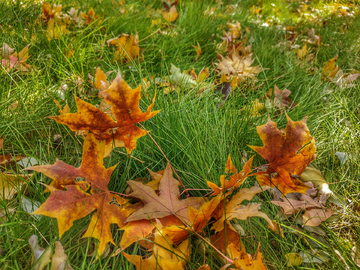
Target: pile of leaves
x=153 y=214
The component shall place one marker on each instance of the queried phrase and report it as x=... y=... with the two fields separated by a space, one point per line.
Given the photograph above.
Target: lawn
x=217 y=71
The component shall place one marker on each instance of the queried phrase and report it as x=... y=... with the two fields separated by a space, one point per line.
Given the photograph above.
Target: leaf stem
x=187 y=193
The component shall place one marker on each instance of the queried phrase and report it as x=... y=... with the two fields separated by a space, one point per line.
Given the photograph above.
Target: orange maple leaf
x=76 y=202
x=90 y=16
x=127 y=47
x=164 y=256
x=246 y=261
x=236 y=179
x=124 y=103
x=288 y=155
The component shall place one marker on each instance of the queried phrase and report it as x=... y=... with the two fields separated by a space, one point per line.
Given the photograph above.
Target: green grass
x=191 y=130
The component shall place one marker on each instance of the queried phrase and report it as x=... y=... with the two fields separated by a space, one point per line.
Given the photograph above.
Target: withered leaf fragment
x=76 y=202
x=124 y=103
x=288 y=155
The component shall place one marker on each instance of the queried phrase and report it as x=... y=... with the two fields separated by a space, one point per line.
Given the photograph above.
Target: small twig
x=117 y=151
x=187 y=193
x=41 y=234
x=120 y=194
x=204 y=189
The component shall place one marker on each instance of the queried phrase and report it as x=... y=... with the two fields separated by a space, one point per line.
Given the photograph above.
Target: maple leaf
x=169 y=12
x=235 y=64
x=10 y=183
x=17 y=60
x=50 y=12
x=226 y=236
x=288 y=154
x=56 y=29
x=245 y=261
x=124 y=103
x=141 y=229
x=281 y=98
x=330 y=68
x=164 y=256
x=90 y=16
x=235 y=180
x=198 y=51
x=4 y=159
x=75 y=202
x=127 y=47
x=233 y=209
x=6 y=51
x=166 y=203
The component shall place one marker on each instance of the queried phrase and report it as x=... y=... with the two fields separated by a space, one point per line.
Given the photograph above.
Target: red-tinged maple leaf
x=288 y=155
x=235 y=180
x=166 y=203
x=246 y=261
x=90 y=16
x=226 y=236
x=124 y=103
x=17 y=60
x=234 y=209
x=76 y=202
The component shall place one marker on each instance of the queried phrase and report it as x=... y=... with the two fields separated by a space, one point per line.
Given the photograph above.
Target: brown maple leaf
x=281 y=98
x=124 y=103
x=288 y=155
x=166 y=203
x=76 y=202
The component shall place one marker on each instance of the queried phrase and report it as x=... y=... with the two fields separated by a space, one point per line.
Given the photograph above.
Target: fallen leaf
x=10 y=184
x=234 y=209
x=166 y=203
x=17 y=60
x=330 y=68
x=170 y=14
x=293 y=259
x=164 y=256
x=124 y=103
x=90 y=16
x=180 y=78
x=288 y=155
x=281 y=98
x=75 y=202
x=245 y=261
x=198 y=51
x=355 y=256
x=314 y=217
x=236 y=179
x=127 y=48
x=42 y=257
